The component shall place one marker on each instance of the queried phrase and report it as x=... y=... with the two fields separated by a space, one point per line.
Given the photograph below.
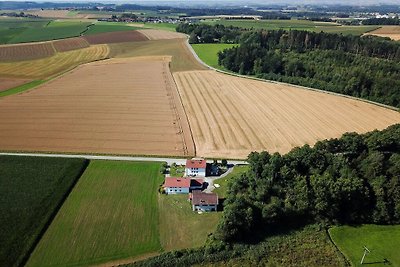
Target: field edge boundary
x=338 y=250
x=293 y=85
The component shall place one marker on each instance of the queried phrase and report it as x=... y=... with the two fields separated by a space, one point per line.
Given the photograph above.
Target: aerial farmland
x=296 y=119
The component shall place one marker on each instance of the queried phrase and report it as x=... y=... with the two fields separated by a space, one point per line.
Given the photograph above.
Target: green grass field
x=112 y=213
x=180 y=227
x=102 y=27
x=11 y=28
x=54 y=30
x=382 y=241
x=31 y=190
x=223 y=182
x=208 y=53
x=294 y=25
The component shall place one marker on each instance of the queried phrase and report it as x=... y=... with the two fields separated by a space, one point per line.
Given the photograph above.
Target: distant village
x=194 y=185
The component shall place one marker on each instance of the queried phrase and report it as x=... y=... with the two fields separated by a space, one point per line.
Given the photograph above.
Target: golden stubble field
x=231 y=116
x=118 y=106
x=393 y=32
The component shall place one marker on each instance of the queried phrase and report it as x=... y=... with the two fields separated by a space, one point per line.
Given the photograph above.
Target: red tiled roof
x=177 y=182
x=200 y=198
x=196 y=163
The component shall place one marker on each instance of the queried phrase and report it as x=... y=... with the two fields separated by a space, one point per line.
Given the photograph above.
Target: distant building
x=196 y=167
x=203 y=201
x=184 y=185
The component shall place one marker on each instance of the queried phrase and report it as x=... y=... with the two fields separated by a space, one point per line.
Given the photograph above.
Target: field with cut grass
x=100 y=27
x=382 y=240
x=208 y=53
x=182 y=58
x=49 y=66
x=11 y=28
x=111 y=214
x=118 y=106
x=232 y=116
x=31 y=191
x=294 y=25
x=180 y=227
x=223 y=182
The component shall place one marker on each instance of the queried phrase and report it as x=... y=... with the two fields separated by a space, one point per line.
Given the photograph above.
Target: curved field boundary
x=70 y=44
x=8 y=83
x=282 y=83
x=232 y=116
x=50 y=66
x=26 y=51
x=115 y=37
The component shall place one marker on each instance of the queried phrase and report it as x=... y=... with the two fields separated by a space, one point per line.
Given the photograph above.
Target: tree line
x=351 y=180
x=203 y=33
x=363 y=67
x=381 y=21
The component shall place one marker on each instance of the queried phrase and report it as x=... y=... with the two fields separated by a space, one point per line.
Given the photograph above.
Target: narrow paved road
x=179 y=161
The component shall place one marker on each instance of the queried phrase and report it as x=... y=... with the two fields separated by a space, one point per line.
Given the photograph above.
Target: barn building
x=196 y=167
x=203 y=201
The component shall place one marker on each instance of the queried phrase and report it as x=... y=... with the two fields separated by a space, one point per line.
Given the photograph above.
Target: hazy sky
x=240 y=2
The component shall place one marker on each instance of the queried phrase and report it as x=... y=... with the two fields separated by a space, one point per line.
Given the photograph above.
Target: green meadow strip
x=22 y=88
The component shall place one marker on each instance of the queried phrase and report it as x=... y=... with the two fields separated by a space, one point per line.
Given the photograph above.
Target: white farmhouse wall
x=176 y=190
x=204 y=207
x=195 y=172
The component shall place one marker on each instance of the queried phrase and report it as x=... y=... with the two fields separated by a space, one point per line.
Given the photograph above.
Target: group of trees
x=203 y=33
x=363 y=67
x=382 y=21
x=354 y=179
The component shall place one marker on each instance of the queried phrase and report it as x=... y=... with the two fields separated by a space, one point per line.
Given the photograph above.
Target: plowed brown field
x=6 y=83
x=161 y=35
x=20 y=52
x=119 y=106
x=393 y=32
x=232 y=116
x=70 y=44
x=115 y=37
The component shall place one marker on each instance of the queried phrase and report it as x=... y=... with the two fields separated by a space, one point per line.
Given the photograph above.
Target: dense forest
x=381 y=21
x=351 y=180
x=365 y=67
x=203 y=33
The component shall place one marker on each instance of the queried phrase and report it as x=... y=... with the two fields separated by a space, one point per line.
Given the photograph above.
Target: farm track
x=121 y=106
x=232 y=116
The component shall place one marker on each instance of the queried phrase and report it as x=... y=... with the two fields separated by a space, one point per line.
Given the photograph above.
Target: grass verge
x=22 y=88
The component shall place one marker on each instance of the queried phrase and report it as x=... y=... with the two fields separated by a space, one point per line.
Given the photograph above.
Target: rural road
x=181 y=161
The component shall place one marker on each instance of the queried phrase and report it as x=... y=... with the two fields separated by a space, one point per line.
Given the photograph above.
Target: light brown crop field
x=6 y=83
x=115 y=37
x=393 y=32
x=153 y=34
x=60 y=62
x=47 y=13
x=118 y=106
x=21 y=52
x=70 y=44
x=232 y=116
x=182 y=58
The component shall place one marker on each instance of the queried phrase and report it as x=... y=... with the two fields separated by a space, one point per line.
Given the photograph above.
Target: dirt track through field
x=119 y=106
x=231 y=116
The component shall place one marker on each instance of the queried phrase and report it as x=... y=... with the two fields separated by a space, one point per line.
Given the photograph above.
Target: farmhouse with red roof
x=174 y=185
x=203 y=201
x=196 y=167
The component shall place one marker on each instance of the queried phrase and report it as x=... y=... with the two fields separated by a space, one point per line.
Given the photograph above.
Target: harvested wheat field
x=70 y=44
x=60 y=62
x=393 y=32
x=19 y=52
x=115 y=37
x=232 y=116
x=118 y=106
x=161 y=35
x=6 y=83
